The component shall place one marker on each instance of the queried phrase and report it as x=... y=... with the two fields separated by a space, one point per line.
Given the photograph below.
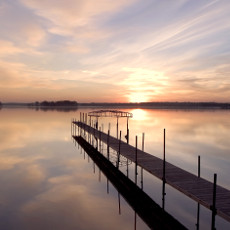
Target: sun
x=137 y=97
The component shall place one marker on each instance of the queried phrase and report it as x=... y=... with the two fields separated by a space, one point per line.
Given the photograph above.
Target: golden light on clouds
x=143 y=85
x=138 y=97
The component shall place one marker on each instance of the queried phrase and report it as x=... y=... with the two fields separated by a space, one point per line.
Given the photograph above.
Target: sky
x=114 y=51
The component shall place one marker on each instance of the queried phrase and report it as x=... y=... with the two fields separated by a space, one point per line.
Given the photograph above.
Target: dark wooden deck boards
x=196 y=188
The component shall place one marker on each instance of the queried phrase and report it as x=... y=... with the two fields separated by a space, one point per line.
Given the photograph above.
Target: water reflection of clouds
x=48 y=201
x=68 y=207
x=48 y=184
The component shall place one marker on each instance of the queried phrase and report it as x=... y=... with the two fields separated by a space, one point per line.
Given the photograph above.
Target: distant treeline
x=64 y=103
x=163 y=105
x=73 y=105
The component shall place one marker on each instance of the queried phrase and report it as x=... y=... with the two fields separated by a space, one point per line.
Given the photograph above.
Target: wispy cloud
x=155 y=46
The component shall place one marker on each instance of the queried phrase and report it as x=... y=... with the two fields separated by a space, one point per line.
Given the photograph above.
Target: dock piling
x=143 y=146
x=127 y=136
x=117 y=127
x=198 y=217
x=213 y=207
x=136 y=162
x=108 y=144
x=163 y=179
x=119 y=151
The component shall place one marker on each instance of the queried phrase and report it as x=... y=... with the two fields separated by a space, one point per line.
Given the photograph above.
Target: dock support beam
x=108 y=144
x=117 y=127
x=143 y=146
x=163 y=179
x=198 y=217
x=119 y=152
x=127 y=136
x=136 y=162
x=213 y=207
x=198 y=205
x=127 y=169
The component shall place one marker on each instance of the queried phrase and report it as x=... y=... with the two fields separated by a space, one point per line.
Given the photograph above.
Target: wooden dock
x=189 y=184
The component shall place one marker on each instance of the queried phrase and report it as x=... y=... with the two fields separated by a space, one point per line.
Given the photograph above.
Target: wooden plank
x=189 y=184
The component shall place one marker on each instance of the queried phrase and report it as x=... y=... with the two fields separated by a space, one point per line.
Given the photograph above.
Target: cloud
x=71 y=13
x=53 y=48
x=20 y=26
x=8 y=48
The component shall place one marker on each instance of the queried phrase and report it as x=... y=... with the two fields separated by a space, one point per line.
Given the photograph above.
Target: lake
x=49 y=182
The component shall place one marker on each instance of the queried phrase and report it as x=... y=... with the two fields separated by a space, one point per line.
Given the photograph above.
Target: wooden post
x=80 y=124
x=135 y=220
x=143 y=146
x=119 y=151
x=71 y=127
x=100 y=138
x=127 y=170
x=213 y=207
x=164 y=158
x=102 y=143
x=163 y=179
x=97 y=123
x=117 y=127
x=199 y=166
x=86 y=118
x=127 y=137
x=136 y=162
x=78 y=128
x=84 y=124
x=90 y=135
x=108 y=144
x=74 y=125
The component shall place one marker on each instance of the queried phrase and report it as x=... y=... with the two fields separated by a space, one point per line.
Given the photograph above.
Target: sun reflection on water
x=139 y=114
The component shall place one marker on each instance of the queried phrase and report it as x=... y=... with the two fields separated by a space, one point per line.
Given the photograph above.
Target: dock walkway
x=189 y=184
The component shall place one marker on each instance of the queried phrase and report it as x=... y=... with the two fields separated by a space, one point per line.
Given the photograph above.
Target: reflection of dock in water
x=208 y=194
x=150 y=212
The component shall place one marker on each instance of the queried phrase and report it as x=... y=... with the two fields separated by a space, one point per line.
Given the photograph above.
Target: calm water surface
x=48 y=182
